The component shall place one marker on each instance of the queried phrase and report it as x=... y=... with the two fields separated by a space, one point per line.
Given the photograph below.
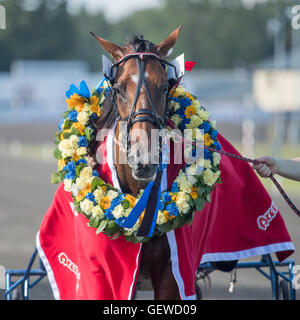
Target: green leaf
x=199 y=203
x=68 y=124
x=96 y=182
x=125 y=204
x=75 y=132
x=57 y=154
x=55 y=178
x=165 y=227
x=201 y=190
x=67 y=135
x=102 y=226
x=208 y=197
x=79 y=168
x=179 y=222
x=94 y=222
x=88 y=133
x=65 y=114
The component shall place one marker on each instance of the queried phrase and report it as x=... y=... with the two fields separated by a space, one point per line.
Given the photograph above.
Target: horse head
x=140 y=91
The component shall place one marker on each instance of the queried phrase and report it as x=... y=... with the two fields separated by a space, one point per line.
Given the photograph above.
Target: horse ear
x=114 y=50
x=169 y=42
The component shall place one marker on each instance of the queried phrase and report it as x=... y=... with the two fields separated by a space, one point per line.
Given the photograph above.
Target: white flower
x=83 y=117
x=68 y=185
x=86 y=173
x=86 y=206
x=213 y=124
x=209 y=177
x=204 y=115
x=86 y=107
x=216 y=158
x=81 y=151
x=82 y=183
x=176 y=119
x=195 y=122
x=74 y=141
x=184 y=184
x=207 y=164
x=112 y=194
x=97 y=212
x=182 y=202
x=118 y=211
x=99 y=194
x=161 y=218
x=66 y=148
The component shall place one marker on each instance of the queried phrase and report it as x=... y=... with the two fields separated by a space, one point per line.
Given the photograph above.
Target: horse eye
x=164 y=89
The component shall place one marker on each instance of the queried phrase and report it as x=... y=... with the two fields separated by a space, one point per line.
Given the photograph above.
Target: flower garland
x=104 y=206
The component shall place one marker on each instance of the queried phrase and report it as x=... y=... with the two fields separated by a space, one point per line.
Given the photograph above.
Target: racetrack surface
x=26 y=193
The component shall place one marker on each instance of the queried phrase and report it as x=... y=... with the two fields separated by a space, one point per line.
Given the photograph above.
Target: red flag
x=189 y=65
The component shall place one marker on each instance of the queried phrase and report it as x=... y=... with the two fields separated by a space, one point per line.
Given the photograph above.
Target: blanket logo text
x=65 y=261
x=263 y=221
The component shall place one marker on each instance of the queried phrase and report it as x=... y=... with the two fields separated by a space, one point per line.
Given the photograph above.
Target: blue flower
x=208 y=155
x=160 y=205
x=183 y=123
x=174 y=187
x=217 y=145
x=214 y=134
x=90 y=197
x=172 y=209
x=166 y=197
x=82 y=142
x=181 y=113
x=61 y=124
x=185 y=102
x=81 y=161
x=73 y=115
x=108 y=212
x=82 y=91
x=70 y=169
x=205 y=126
x=95 y=173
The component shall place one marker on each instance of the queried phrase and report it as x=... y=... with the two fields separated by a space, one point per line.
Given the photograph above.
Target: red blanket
x=240 y=221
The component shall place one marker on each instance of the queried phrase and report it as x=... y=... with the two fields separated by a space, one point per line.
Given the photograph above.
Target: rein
x=276 y=183
x=241 y=158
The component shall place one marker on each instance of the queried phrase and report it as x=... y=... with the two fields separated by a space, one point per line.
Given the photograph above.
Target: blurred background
x=247 y=75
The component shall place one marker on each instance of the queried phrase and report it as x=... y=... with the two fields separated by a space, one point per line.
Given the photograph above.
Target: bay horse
x=140 y=97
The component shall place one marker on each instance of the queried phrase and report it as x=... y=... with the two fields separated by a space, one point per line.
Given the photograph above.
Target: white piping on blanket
x=48 y=268
x=243 y=254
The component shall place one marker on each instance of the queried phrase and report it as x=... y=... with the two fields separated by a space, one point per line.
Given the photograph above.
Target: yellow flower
x=61 y=163
x=78 y=126
x=75 y=101
x=83 y=193
x=190 y=111
x=94 y=105
x=208 y=140
x=189 y=96
x=105 y=202
x=179 y=92
x=174 y=197
x=194 y=193
x=131 y=200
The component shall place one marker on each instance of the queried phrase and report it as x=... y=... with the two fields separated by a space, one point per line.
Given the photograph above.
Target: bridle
x=145 y=115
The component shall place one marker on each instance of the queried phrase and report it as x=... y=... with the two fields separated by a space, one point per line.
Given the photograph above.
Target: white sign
x=296 y=17
x=2 y=17
x=277 y=90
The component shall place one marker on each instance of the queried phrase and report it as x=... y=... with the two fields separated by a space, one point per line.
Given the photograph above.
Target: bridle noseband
x=145 y=115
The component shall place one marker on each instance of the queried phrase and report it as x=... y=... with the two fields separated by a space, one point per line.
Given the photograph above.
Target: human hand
x=266 y=166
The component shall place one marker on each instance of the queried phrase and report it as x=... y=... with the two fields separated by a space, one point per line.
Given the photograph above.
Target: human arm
x=288 y=168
